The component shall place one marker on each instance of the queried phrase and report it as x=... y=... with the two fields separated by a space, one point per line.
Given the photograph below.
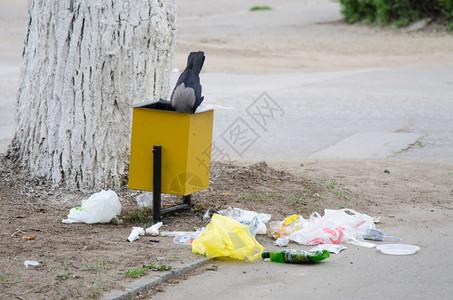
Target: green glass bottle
x=296 y=256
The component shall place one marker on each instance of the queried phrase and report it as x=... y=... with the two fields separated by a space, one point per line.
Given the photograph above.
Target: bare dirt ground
x=80 y=260
x=85 y=261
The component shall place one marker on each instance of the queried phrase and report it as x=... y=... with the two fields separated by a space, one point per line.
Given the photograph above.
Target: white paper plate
x=398 y=249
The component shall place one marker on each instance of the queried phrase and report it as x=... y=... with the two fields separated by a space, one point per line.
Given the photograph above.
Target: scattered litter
x=145 y=200
x=181 y=233
x=386 y=171
x=136 y=231
x=360 y=243
x=154 y=241
x=336 y=226
x=377 y=219
x=208 y=214
x=183 y=240
x=256 y=221
x=98 y=208
x=377 y=235
x=286 y=227
x=398 y=249
x=154 y=230
x=332 y=248
x=16 y=232
x=28 y=238
x=282 y=241
x=226 y=237
x=183 y=237
x=30 y=263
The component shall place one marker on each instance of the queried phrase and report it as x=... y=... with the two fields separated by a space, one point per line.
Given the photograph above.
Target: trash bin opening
x=160 y=105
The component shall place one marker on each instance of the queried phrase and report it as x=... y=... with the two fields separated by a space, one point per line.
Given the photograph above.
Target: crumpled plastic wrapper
x=136 y=231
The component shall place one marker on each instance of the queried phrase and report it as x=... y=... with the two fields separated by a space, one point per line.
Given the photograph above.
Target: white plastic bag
x=336 y=226
x=145 y=200
x=99 y=208
x=256 y=221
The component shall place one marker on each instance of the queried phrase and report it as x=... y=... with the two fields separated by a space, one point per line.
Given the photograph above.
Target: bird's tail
x=195 y=61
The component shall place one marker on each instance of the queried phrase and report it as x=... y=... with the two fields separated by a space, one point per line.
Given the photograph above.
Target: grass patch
x=95 y=294
x=64 y=275
x=262 y=196
x=257 y=8
x=139 y=216
x=135 y=273
x=157 y=267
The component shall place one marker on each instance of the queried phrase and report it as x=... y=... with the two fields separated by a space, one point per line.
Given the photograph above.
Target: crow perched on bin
x=186 y=96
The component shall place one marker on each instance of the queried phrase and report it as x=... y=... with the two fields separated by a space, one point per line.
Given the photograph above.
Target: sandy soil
x=83 y=261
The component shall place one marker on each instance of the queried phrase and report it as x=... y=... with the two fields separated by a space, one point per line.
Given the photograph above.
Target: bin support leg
x=157 y=182
x=186 y=200
x=157 y=188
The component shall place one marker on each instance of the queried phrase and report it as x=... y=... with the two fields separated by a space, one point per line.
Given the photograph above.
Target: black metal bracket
x=157 y=188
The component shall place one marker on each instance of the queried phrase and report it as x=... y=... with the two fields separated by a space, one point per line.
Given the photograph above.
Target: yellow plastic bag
x=227 y=237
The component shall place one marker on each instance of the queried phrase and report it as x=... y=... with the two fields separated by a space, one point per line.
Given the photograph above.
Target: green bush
x=397 y=12
x=446 y=7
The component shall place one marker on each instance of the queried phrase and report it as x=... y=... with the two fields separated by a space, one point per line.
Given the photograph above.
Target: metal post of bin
x=186 y=200
x=157 y=188
x=157 y=182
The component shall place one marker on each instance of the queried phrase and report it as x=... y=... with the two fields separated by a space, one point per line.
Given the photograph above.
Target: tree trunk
x=85 y=64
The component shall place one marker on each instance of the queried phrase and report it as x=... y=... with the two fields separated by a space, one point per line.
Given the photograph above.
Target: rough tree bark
x=85 y=64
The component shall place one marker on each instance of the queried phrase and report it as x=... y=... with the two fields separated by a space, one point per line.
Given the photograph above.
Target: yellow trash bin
x=186 y=141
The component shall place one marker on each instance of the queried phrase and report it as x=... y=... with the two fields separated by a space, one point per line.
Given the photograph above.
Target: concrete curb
x=145 y=284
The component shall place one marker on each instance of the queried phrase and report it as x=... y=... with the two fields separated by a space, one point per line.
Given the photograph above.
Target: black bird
x=186 y=96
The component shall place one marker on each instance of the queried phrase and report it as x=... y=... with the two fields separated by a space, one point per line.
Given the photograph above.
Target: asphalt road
x=401 y=113
x=373 y=113
x=354 y=273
